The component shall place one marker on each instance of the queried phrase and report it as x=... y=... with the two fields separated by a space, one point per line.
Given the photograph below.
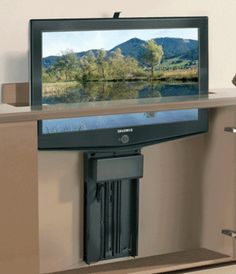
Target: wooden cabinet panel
x=219 y=270
x=19 y=249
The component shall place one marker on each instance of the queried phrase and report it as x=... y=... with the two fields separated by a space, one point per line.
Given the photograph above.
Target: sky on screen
x=54 y=43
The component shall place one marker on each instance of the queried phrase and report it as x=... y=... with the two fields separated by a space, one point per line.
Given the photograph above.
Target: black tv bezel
x=109 y=138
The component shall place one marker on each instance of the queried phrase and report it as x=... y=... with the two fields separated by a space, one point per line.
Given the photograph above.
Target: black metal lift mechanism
x=111 y=204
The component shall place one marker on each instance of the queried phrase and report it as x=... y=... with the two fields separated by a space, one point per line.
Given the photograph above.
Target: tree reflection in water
x=109 y=91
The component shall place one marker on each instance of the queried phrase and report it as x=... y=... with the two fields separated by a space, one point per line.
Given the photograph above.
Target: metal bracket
x=230 y=233
x=230 y=129
x=116 y=14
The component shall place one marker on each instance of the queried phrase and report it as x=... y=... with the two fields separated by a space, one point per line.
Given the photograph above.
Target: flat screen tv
x=91 y=61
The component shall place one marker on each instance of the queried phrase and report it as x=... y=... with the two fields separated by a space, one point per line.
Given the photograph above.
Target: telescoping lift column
x=111 y=204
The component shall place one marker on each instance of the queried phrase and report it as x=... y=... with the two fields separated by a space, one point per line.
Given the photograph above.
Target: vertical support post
x=111 y=204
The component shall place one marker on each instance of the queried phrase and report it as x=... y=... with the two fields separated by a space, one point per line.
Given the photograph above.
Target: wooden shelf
x=156 y=264
x=216 y=98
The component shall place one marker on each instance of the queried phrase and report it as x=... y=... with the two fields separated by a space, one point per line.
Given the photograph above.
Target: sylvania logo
x=124 y=130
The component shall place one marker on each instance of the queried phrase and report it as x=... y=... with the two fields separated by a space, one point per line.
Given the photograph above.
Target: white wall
x=15 y=15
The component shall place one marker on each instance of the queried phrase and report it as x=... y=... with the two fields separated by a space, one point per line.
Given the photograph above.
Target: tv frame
x=141 y=135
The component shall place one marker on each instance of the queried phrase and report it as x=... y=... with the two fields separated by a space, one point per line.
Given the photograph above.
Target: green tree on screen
x=152 y=55
x=67 y=65
x=89 y=67
x=102 y=63
x=122 y=67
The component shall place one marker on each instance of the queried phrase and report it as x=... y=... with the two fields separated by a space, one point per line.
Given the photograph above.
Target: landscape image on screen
x=107 y=65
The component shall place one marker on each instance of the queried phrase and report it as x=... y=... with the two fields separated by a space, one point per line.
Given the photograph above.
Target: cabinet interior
x=187 y=196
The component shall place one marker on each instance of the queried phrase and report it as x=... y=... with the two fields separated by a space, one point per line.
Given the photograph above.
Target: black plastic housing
x=111 y=204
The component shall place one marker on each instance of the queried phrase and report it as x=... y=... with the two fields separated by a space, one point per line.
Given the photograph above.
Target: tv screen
x=106 y=60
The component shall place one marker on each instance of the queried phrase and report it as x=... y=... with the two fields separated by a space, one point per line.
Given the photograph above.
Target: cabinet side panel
x=19 y=249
